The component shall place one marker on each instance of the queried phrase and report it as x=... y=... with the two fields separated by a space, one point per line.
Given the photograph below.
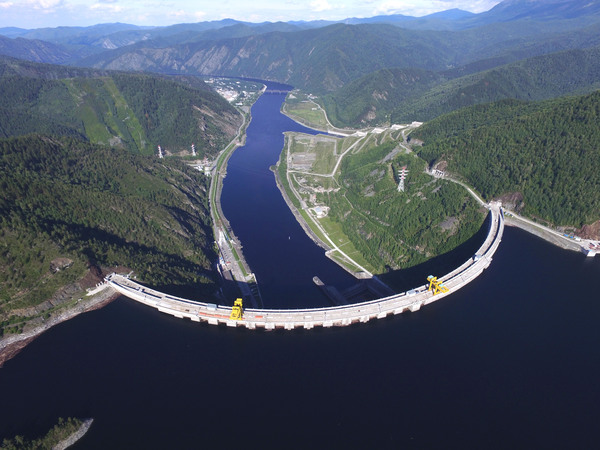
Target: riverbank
x=316 y=119
x=307 y=229
x=551 y=236
x=220 y=222
x=232 y=264
x=73 y=438
x=318 y=235
x=12 y=344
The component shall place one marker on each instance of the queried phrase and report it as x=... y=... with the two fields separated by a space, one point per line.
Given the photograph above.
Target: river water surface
x=509 y=361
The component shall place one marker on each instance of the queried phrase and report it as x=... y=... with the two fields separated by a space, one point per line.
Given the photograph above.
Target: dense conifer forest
x=68 y=206
x=549 y=152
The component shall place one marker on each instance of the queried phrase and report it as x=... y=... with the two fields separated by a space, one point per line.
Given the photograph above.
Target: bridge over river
x=288 y=319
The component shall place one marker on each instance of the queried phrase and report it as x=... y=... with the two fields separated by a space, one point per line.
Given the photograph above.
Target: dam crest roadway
x=289 y=319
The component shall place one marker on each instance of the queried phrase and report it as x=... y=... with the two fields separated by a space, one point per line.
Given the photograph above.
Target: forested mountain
x=34 y=50
x=325 y=59
x=71 y=208
x=107 y=36
x=401 y=95
x=545 y=153
x=137 y=112
x=68 y=207
x=372 y=98
x=322 y=57
x=510 y=10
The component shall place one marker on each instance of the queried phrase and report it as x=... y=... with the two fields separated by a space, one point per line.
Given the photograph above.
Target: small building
x=321 y=211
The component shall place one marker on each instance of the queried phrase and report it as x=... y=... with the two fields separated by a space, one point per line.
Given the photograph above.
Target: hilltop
x=136 y=112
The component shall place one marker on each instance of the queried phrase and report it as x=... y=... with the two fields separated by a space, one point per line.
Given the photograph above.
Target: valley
x=327 y=173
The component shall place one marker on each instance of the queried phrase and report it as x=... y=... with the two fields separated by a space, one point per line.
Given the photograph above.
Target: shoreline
x=240 y=271
x=76 y=436
x=511 y=219
x=309 y=231
x=544 y=233
x=311 y=234
x=12 y=344
x=330 y=129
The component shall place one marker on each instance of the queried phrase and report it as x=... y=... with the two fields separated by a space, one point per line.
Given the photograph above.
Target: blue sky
x=53 y=13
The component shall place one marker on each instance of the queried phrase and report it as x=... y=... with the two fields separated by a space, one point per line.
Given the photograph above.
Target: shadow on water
x=405 y=279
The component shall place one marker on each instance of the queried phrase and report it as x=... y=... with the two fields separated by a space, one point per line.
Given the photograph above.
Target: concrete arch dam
x=289 y=319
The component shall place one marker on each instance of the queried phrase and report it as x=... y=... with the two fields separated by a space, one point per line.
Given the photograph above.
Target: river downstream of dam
x=276 y=247
x=509 y=361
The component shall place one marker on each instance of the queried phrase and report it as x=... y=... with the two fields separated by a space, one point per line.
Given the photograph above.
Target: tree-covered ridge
x=175 y=116
x=371 y=99
x=547 y=151
x=136 y=112
x=404 y=95
x=539 y=78
x=68 y=200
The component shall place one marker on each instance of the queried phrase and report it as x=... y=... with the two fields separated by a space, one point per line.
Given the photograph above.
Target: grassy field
x=305 y=111
x=336 y=234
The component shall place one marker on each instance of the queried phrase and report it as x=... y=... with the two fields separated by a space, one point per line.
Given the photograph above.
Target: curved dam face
x=289 y=319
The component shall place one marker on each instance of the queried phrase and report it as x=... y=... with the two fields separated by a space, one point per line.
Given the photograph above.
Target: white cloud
x=6 y=4
x=107 y=7
x=44 y=4
x=199 y=15
x=320 y=5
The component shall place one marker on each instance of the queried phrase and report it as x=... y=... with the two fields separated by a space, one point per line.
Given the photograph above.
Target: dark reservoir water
x=510 y=361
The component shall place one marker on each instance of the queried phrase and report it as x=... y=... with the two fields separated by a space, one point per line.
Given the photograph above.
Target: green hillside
x=372 y=98
x=94 y=206
x=136 y=112
x=404 y=95
x=539 y=78
x=395 y=230
x=547 y=152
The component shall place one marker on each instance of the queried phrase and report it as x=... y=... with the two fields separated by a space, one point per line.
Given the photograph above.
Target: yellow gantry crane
x=237 y=311
x=436 y=286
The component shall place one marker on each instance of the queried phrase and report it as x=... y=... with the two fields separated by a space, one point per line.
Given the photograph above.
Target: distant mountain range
x=115 y=35
x=449 y=50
